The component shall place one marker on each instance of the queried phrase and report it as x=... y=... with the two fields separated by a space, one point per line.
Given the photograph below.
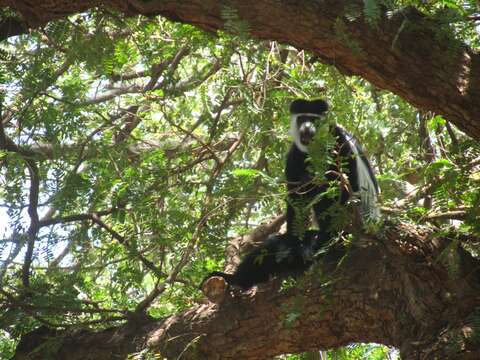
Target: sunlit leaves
x=183 y=136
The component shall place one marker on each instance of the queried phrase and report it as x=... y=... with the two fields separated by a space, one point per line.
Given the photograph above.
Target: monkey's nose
x=307 y=132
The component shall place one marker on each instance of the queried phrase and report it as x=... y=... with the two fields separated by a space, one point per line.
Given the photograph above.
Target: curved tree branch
x=7 y=144
x=394 y=289
x=406 y=53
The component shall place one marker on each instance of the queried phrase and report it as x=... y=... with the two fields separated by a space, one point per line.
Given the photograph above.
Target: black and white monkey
x=305 y=191
x=281 y=255
x=293 y=253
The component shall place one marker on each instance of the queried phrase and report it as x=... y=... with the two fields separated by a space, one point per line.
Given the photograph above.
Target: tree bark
x=406 y=53
x=405 y=288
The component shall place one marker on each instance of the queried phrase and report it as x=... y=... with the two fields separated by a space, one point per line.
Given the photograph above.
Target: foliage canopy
x=135 y=148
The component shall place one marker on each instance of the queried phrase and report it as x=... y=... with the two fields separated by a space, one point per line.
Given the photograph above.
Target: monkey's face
x=306 y=128
x=307 y=120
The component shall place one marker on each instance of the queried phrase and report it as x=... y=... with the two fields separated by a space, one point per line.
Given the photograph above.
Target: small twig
x=158 y=69
x=9 y=145
x=452 y=135
x=122 y=240
x=204 y=216
x=196 y=138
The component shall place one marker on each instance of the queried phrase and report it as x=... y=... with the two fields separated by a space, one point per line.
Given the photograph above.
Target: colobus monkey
x=308 y=120
x=280 y=255
x=293 y=253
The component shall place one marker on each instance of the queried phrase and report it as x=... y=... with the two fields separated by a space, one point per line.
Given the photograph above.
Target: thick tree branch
x=172 y=148
x=74 y=218
x=394 y=289
x=10 y=27
x=406 y=53
x=152 y=83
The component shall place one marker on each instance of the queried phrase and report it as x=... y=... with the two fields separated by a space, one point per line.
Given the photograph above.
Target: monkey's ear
x=301 y=106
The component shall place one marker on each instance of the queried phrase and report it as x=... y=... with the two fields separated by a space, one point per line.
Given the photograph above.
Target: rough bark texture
x=394 y=290
x=407 y=53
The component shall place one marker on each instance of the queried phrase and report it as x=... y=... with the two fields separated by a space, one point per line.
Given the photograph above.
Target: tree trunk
x=407 y=53
x=405 y=288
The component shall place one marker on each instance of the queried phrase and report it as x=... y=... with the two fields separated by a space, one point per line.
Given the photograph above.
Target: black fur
x=304 y=106
x=300 y=185
x=288 y=254
x=281 y=255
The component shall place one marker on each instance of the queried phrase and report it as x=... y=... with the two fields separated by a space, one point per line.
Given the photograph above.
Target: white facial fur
x=294 y=130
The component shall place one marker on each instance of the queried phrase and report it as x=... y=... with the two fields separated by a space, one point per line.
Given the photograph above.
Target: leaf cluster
x=155 y=144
